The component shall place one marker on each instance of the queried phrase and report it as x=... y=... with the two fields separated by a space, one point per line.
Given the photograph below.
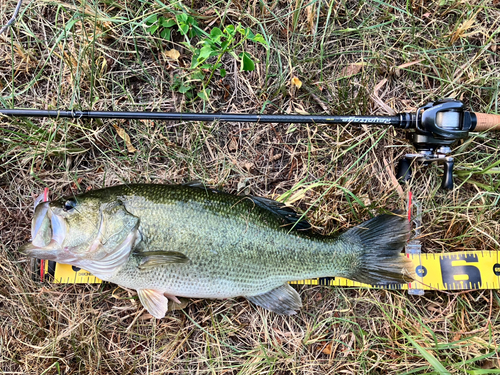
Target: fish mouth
x=48 y=231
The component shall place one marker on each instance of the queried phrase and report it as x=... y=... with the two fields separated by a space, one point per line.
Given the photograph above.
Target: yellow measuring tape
x=449 y=271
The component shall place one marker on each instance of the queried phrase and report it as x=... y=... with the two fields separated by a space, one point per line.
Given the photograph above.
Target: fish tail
x=382 y=239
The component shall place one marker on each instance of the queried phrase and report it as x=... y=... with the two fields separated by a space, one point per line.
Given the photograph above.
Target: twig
x=11 y=21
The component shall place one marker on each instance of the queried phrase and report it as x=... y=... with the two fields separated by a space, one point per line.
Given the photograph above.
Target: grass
x=99 y=55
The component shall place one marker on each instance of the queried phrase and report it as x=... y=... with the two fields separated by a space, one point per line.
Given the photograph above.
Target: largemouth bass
x=188 y=240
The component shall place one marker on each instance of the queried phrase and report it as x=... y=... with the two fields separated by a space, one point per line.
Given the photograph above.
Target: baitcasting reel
x=435 y=127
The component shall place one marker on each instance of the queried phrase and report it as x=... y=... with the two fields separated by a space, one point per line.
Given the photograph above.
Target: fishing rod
x=433 y=128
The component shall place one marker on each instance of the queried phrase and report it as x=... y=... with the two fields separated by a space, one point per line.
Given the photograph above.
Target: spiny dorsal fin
x=290 y=217
x=283 y=300
x=200 y=185
x=150 y=259
x=154 y=301
x=288 y=214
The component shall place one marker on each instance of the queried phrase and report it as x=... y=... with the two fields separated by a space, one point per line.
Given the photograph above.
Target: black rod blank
x=399 y=120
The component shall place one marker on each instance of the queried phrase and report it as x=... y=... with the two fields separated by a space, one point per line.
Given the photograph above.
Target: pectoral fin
x=150 y=259
x=283 y=300
x=154 y=301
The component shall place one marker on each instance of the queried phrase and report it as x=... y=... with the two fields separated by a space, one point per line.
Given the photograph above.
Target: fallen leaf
x=233 y=144
x=351 y=70
x=460 y=31
x=296 y=82
x=248 y=166
x=172 y=306
x=123 y=135
x=327 y=349
x=74 y=185
x=173 y=54
x=300 y=109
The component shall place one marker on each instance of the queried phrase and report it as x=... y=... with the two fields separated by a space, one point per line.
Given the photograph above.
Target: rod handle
x=487 y=121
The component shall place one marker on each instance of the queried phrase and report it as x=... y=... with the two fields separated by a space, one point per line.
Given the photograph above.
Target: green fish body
x=192 y=241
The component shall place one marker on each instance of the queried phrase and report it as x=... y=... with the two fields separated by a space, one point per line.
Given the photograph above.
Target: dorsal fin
x=200 y=185
x=290 y=217
x=282 y=211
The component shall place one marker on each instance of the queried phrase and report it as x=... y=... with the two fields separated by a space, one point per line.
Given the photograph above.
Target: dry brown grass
x=96 y=55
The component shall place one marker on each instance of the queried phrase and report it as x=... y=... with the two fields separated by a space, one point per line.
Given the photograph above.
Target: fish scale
x=191 y=241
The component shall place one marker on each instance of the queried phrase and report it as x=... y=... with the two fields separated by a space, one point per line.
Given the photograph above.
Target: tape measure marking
x=449 y=271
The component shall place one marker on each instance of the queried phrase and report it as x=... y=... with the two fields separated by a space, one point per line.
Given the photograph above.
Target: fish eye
x=69 y=205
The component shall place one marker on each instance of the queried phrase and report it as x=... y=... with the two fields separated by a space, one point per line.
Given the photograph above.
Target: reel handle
x=403 y=170
x=487 y=121
x=447 y=181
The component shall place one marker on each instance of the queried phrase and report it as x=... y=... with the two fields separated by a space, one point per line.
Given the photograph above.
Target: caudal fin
x=382 y=239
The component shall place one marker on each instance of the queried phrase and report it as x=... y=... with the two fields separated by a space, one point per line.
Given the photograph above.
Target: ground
x=351 y=57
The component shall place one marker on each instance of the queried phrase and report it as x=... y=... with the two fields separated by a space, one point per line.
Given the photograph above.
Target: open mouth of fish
x=48 y=231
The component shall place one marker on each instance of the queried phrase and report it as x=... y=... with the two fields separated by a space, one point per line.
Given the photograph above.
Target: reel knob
x=403 y=170
x=447 y=182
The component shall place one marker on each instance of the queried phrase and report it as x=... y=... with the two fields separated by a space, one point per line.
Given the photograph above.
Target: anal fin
x=154 y=301
x=283 y=300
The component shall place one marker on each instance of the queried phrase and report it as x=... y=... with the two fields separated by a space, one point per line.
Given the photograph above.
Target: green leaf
x=169 y=23
x=229 y=30
x=205 y=52
x=152 y=29
x=183 y=28
x=259 y=39
x=215 y=32
x=194 y=58
x=208 y=42
x=241 y=30
x=151 y=19
x=222 y=72
x=204 y=95
x=184 y=88
x=249 y=34
x=182 y=18
x=198 y=76
x=165 y=34
x=216 y=35
x=247 y=63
